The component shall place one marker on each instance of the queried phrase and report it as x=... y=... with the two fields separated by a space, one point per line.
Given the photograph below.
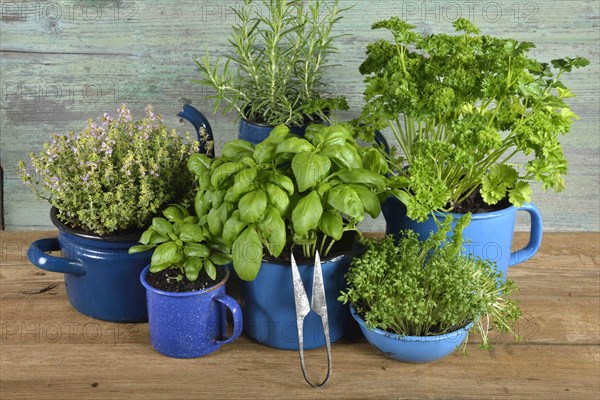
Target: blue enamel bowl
x=412 y=349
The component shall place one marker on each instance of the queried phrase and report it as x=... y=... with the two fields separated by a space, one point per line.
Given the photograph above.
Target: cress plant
x=415 y=288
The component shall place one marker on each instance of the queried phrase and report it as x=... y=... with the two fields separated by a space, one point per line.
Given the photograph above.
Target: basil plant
x=183 y=243
x=287 y=191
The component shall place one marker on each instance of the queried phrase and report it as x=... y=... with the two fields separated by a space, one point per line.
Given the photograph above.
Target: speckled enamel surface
x=191 y=324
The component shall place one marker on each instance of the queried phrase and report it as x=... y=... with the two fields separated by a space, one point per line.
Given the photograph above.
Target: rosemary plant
x=281 y=58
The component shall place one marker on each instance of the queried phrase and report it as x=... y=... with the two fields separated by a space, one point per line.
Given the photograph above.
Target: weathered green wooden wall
x=65 y=61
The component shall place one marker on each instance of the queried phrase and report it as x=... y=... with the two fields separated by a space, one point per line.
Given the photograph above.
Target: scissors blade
x=300 y=297
x=318 y=301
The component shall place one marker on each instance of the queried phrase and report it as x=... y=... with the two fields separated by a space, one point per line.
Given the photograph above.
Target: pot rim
x=181 y=294
x=301 y=265
x=131 y=236
x=262 y=125
x=484 y=215
x=407 y=338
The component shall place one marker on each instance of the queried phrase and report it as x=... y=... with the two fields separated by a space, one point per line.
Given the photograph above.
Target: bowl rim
x=433 y=338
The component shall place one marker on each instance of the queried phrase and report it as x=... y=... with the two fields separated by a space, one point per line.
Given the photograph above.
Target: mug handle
x=535 y=236
x=238 y=322
x=38 y=257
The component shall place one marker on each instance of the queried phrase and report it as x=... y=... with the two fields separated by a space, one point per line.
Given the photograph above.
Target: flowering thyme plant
x=114 y=175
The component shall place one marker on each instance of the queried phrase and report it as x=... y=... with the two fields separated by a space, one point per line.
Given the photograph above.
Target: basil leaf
x=243 y=183
x=162 y=226
x=199 y=165
x=210 y=269
x=191 y=233
x=282 y=181
x=264 y=152
x=175 y=213
x=345 y=199
x=237 y=149
x=332 y=225
x=147 y=235
x=140 y=248
x=363 y=176
x=157 y=268
x=247 y=254
x=217 y=218
x=307 y=213
x=309 y=169
x=232 y=229
x=344 y=155
x=196 y=250
x=278 y=198
x=201 y=204
x=294 y=145
x=272 y=228
x=192 y=268
x=220 y=258
x=369 y=200
x=166 y=253
x=279 y=133
x=252 y=206
x=224 y=171
x=374 y=161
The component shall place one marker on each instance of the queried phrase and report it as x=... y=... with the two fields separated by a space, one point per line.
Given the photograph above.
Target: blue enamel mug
x=190 y=324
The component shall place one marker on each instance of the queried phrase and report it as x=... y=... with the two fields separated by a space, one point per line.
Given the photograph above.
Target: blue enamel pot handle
x=380 y=140
x=199 y=121
x=38 y=257
x=535 y=236
x=236 y=311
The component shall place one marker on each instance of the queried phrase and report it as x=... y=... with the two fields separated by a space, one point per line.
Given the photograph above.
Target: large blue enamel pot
x=269 y=309
x=101 y=278
x=489 y=235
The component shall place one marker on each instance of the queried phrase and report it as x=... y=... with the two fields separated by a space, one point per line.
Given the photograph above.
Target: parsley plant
x=461 y=108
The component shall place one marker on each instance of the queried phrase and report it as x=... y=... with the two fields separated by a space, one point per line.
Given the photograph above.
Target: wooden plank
x=59 y=70
x=251 y=372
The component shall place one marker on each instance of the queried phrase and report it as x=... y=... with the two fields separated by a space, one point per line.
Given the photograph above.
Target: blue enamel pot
x=190 y=324
x=269 y=309
x=412 y=349
x=490 y=234
x=256 y=133
x=101 y=278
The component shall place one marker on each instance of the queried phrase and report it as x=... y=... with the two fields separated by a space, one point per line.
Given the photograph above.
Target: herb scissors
x=318 y=304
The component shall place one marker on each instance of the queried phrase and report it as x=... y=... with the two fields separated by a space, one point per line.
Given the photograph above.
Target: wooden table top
x=50 y=351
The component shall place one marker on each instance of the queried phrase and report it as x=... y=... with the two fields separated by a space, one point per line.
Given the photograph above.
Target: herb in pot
x=462 y=108
x=115 y=175
x=287 y=192
x=281 y=59
x=183 y=247
x=414 y=288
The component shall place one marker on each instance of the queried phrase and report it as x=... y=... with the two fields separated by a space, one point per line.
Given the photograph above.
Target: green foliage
x=286 y=191
x=461 y=104
x=281 y=58
x=114 y=175
x=428 y=288
x=182 y=242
